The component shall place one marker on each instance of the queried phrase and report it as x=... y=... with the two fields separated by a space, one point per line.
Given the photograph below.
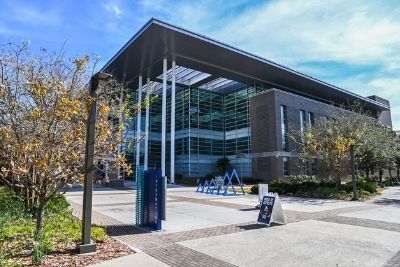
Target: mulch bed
x=69 y=256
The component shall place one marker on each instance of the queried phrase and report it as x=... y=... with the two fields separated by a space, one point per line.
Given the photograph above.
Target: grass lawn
x=62 y=232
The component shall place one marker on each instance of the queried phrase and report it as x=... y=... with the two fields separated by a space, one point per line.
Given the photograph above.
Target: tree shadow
x=386 y=202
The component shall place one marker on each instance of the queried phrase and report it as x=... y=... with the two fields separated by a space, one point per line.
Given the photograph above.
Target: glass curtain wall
x=208 y=125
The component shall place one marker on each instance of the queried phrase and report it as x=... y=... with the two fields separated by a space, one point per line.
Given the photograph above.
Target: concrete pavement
x=137 y=259
x=209 y=230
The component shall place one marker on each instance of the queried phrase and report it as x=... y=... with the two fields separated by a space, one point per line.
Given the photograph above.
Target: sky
x=352 y=44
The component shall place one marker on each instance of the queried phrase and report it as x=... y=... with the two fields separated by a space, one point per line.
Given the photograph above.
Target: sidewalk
x=140 y=259
x=209 y=230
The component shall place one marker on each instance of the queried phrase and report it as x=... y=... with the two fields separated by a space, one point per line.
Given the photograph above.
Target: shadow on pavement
x=126 y=229
x=256 y=226
x=386 y=202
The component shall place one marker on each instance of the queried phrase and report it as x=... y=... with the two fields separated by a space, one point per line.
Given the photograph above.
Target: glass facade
x=302 y=120
x=285 y=166
x=311 y=119
x=208 y=125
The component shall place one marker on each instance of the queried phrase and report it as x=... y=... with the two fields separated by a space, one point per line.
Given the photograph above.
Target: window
x=311 y=120
x=285 y=166
x=302 y=120
x=285 y=146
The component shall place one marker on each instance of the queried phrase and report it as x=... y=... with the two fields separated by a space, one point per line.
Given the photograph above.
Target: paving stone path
x=165 y=248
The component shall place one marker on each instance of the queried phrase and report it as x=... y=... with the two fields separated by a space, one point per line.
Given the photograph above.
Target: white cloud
x=381 y=85
x=33 y=16
x=291 y=32
x=113 y=8
x=154 y=5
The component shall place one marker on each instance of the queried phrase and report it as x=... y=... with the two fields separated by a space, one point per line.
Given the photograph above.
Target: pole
x=138 y=121
x=121 y=99
x=163 y=116
x=146 y=128
x=86 y=246
x=172 y=155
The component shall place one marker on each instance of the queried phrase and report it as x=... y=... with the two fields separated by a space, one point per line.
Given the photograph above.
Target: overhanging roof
x=143 y=53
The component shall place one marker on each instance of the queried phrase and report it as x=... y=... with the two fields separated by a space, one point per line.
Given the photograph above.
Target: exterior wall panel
x=267 y=162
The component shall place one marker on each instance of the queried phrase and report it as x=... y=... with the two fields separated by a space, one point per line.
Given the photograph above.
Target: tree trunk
x=380 y=177
x=398 y=174
x=390 y=176
x=37 y=254
x=353 y=173
x=338 y=180
x=40 y=216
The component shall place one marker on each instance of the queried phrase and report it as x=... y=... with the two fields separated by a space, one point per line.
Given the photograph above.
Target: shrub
x=390 y=182
x=302 y=178
x=366 y=186
x=57 y=205
x=254 y=189
x=278 y=186
x=325 y=192
x=17 y=229
x=99 y=234
x=362 y=184
x=209 y=176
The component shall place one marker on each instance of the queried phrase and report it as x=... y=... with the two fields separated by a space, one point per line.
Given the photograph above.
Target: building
x=215 y=100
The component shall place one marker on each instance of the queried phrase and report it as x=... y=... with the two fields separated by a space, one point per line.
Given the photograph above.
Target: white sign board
x=262 y=191
x=277 y=212
x=271 y=210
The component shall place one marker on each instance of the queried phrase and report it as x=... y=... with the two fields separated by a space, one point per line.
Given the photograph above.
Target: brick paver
x=165 y=248
x=211 y=203
x=157 y=246
x=395 y=227
x=394 y=261
x=212 y=231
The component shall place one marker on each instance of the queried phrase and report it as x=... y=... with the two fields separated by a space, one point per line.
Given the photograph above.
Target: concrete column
x=146 y=139
x=138 y=118
x=172 y=172
x=164 y=117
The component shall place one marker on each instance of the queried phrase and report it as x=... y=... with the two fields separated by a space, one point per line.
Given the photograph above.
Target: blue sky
x=352 y=44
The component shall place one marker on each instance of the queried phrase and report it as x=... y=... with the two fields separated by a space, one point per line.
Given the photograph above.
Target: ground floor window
x=286 y=166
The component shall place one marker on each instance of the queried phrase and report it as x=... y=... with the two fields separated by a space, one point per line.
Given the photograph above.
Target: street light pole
x=87 y=246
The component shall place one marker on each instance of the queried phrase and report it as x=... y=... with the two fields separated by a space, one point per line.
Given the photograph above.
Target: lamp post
x=86 y=245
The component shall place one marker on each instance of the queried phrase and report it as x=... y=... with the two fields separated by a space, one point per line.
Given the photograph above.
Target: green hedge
x=318 y=189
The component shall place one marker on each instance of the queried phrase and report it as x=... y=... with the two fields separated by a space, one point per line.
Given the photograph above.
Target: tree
x=397 y=157
x=353 y=135
x=380 y=152
x=331 y=143
x=44 y=107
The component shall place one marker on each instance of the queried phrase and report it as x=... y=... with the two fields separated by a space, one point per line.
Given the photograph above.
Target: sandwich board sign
x=271 y=210
x=262 y=191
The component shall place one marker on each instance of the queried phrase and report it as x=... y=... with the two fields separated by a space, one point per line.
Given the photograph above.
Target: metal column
x=172 y=170
x=164 y=117
x=146 y=127
x=138 y=119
